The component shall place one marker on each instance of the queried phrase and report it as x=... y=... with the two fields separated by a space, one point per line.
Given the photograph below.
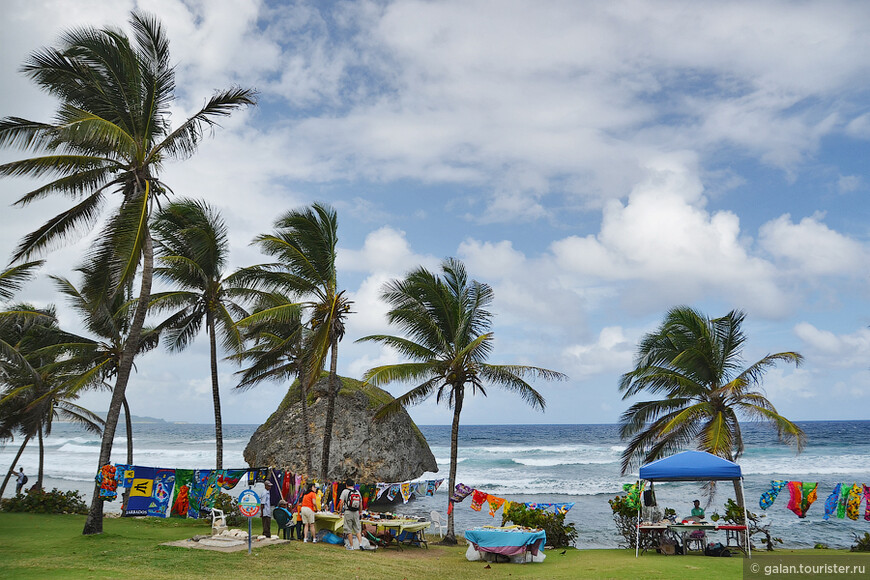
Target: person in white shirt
x=266 y=511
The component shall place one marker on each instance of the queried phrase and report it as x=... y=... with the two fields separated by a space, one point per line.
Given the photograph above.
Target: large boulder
x=364 y=450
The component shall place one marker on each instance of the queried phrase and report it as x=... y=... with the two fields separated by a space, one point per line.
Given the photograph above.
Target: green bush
x=46 y=502
x=862 y=544
x=230 y=507
x=559 y=534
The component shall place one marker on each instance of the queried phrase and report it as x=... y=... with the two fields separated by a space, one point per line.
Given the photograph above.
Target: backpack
x=23 y=481
x=354 y=500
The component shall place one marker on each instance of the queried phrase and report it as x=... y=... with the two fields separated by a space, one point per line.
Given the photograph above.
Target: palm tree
x=193 y=249
x=304 y=243
x=277 y=353
x=111 y=134
x=34 y=383
x=695 y=363
x=447 y=335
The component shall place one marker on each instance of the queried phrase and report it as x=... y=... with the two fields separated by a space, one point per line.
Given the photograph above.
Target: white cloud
x=811 y=248
x=835 y=350
x=612 y=352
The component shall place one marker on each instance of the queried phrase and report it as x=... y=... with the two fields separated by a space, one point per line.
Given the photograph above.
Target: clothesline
x=479 y=498
x=187 y=493
x=844 y=501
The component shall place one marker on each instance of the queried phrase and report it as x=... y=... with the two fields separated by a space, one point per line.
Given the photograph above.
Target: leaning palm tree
x=33 y=382
x=694 y=365
x=193 y=249
x=111 y=134
x=447 y=335
x=277 y=353
x=304 y=245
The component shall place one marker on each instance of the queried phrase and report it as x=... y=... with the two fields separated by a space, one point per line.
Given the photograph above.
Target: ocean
x=540 y=463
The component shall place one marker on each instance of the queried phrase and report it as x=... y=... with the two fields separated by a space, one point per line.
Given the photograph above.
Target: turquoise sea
x=540 y=463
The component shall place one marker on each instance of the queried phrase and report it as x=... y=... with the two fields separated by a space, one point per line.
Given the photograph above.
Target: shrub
x=862 y=544
x=230 y=507
x=46 y=502
x=559 y=534
x=734 y=516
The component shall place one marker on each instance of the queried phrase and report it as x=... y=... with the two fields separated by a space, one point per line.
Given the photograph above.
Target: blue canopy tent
x=693 y=466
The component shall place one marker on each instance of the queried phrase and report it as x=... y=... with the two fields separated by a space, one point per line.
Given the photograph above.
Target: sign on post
x=249 y=506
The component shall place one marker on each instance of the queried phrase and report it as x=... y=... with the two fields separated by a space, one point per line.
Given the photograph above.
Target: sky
x=595 y=163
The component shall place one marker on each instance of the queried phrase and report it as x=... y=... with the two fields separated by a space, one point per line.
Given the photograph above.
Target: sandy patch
x=224 y=543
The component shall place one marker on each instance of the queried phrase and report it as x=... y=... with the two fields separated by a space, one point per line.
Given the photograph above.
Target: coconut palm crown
x=693 y=365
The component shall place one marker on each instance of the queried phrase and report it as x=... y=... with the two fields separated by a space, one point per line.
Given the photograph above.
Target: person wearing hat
x=266 y=510
x=697 y=511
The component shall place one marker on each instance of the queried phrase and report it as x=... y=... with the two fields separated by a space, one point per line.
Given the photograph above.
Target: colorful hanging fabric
x=768 y=497
x=853 y=504
x=406 y=492
x=430 y=488
x=141 y=491
x=202 y=494
x=795 y=490
x=108 y=483
x=461 y=492
x=563 y=508
x=257 y=475
x=124 y=474
x=832 y=501
x=633 y=492
x=380 y=489
x=164 y=482
x=844 y=499
x=449 y=507
x=420 y=488
x=477 y=499
x=867 y=500
x=181 y=497
x=494 y=504
x=808 y=497
x=438 y=483
x=507 y=505
x=393 y=491
x=531 y=505
x=287 y=487
x=229 y=478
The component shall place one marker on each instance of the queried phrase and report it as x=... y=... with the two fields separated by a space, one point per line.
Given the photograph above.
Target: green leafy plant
x=862 y=544
x=230 y=506
x=559 y=534
x=46 y=502
x=625 y=518
x=734 y=516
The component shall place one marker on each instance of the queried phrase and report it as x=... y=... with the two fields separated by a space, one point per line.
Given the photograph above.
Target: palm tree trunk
x=128 y=423
x=94 y=521
x=306 y=430
x=12 y=467
x=330 y=411
x=450 y=538
x=215 y=393
x=41 y=459
x=738 y=493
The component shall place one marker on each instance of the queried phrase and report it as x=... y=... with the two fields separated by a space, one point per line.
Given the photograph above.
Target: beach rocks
x=390 y=450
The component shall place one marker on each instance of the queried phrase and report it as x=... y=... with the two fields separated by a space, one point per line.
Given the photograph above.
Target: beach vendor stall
x=507 y=541
x=692 y=466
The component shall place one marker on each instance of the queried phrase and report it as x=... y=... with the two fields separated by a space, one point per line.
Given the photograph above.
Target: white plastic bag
x=471 y=554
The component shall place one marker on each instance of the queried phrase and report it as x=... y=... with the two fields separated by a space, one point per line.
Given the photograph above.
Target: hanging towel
x=853 y=504
x=164 y=482
x=461 y=492
x=769 y=496
x=393 y=491
x=494 y=504
x=808 y=497
x=844 y=499
x=563 y=508
x=108 y=482
x=477 y=499
x=795 y=491
x=832 y=501
x=406 y=492
x=867 y=499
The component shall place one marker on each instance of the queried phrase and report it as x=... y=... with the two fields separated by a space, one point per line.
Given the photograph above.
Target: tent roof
x=690 y=466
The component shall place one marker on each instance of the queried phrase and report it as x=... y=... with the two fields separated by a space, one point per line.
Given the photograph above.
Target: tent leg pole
x=746 y=520
x=637 y=526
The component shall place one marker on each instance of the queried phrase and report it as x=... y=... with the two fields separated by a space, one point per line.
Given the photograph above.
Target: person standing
x=266 y=510
x=307 y=511
x=20 y=479
x=350 y=504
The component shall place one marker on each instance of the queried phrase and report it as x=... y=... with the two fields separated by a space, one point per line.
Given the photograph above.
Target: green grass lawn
x=51 y=546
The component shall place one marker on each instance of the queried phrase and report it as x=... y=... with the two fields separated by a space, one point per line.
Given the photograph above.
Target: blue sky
x=596 y=163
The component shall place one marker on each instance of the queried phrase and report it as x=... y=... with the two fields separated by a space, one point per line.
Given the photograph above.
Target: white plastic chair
x=435 y=517
x=218 y=520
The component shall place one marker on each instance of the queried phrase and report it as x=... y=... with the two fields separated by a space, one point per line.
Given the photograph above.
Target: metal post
x=249 y=536
x=745 y=520
x=637 y=526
